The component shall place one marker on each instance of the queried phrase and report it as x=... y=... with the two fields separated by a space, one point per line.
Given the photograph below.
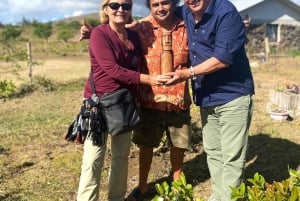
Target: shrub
x=44 y=83
x=179 y=191
x=7 y=88
x=260 y=190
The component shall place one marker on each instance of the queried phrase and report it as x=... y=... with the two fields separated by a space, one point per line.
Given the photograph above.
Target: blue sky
x=13 y=11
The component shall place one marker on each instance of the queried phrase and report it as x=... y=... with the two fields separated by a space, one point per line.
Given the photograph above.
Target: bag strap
x=134 y=60
x=92 y=82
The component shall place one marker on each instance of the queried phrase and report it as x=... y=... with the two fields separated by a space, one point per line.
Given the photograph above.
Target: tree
x=92 y=22
x=67 y=30
x=42 y=30
x=10 y=32
x=25 y=21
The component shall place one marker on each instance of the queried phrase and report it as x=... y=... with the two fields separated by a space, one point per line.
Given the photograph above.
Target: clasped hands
x=167 y=79
x=170 y=78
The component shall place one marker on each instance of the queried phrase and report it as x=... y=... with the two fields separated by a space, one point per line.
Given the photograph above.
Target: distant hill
x=79 y=18
x=94 y=16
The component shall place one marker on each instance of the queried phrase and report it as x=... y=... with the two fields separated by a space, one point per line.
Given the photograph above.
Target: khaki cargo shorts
x=156 y=123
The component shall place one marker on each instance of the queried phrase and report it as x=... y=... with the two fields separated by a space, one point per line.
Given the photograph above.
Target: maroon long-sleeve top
x=111 y=61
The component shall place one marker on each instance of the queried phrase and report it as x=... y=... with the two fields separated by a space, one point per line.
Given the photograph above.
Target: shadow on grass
x=270 y=157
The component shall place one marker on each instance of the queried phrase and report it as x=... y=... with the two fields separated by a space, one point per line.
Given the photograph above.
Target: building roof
x=245 y=4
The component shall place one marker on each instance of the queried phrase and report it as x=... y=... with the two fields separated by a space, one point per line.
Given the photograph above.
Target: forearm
x=209 y=66
x=145 y=79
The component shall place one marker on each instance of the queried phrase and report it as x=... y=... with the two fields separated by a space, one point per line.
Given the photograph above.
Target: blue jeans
x=225 y=140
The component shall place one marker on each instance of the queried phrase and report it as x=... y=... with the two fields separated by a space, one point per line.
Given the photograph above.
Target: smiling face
x=197 y=7
x=163 y=11
x=117 y=11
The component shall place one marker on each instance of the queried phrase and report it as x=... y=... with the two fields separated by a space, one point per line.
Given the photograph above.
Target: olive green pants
x=92 y=163
x=225 y=140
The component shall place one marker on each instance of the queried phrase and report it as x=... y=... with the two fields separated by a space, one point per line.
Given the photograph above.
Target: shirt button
x=193 y=43
x=194 y=56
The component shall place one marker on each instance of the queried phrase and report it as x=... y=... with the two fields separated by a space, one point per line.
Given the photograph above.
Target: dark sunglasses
x=116 y=6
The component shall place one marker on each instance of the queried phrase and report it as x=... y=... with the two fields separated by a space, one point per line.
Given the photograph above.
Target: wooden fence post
x=29 y=62
x=267 y=49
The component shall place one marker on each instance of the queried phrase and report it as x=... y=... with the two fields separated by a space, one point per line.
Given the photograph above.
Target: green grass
x=37 y=164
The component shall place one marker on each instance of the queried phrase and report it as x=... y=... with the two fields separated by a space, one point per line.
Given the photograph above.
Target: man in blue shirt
x=222 y=87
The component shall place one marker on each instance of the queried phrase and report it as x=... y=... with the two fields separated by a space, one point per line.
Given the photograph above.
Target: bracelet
x=192 y=73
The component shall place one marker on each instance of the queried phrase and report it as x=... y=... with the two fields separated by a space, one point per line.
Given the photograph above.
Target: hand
x=133 y=25
x=85 y=31
x=247 y=21
x=177 y=77
x=138 y=24
x=159 y=80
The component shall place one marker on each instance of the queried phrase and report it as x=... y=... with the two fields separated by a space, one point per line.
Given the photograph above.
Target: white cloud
x=76 y=5
x=12 y=11
x=25 y=7
x=77 y=13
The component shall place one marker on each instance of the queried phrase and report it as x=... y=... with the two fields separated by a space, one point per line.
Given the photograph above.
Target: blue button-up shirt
x=220 y=34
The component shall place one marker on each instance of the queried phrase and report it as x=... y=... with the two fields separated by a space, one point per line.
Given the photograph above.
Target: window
x=272 y=32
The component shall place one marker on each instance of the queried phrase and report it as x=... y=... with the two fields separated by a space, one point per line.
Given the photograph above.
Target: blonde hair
x=104 y=17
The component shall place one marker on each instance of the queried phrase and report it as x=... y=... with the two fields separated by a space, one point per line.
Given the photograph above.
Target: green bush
x=260 y=190
x=67 y=30
x=42 y=30
x=7 y=88
x=44 y=83
x=179 y=191
x=294 y=52
x=9 y=33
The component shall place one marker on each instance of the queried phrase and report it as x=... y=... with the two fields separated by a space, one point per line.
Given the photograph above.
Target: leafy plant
x=179 y=191
x=67 y=30
x=7 y=88
x=10 y=32
x=93 y=22
x=45 y=83
x=260 y=190
x=42 y=30
x=293 y=52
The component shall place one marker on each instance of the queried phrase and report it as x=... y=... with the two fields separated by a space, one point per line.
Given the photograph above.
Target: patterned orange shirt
x=164 y=98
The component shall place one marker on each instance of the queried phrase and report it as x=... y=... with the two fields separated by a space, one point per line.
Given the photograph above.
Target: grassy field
x=37 y=164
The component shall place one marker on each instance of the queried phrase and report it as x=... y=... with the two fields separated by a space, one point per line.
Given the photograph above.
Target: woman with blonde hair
x=112 y=51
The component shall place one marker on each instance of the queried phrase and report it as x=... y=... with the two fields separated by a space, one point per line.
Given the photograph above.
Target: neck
x=198 y=17
x=169 y=24
x=118 y=28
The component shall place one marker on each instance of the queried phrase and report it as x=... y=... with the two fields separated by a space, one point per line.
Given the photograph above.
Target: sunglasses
x=116 y=6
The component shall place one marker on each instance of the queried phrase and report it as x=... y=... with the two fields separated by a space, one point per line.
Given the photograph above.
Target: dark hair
x=175 y=2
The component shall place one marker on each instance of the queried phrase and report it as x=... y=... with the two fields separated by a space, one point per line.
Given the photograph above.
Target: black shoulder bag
x=119 y=109
x=115 y=113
